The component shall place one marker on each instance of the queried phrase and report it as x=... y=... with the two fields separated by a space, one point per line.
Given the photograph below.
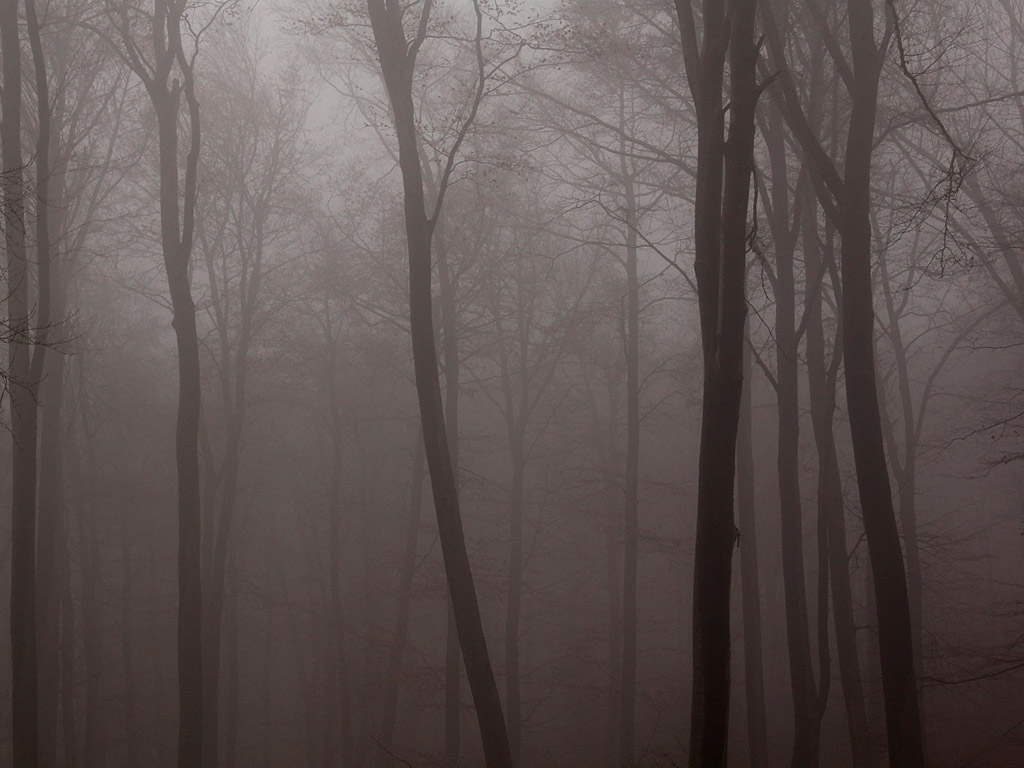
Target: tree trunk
x=631 y=520
x=393 y=676
x=397 y=61
x=450 y=347
x=720 y=266
x=67 y=677
x=753 y=663
x=822 y=391
x=50 y=554
x=231 y=680
x=806 y=713
x=515 y=595
x=24 y=668
x=131 y=731
x=894 y=624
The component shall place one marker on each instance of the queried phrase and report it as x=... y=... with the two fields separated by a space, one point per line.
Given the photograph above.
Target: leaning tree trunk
x=397 y=59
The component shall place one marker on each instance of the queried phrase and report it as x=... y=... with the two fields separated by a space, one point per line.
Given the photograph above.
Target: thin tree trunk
x=753 y=664
x=127 y=650
x=232 y=677
x=67 y=678
x=24 y=665
x=806 y=713
x=88 y=534
x=397 y=59
x=177 y=229
x=894 y=622
x=822 y=394
x=452 y=371
x=630 y=516
x=50 y=512
x=515 y=591
x=338 y=746
x=393 y=676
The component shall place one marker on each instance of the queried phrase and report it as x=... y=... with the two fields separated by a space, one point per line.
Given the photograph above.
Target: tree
x=254 y=150
x=847 y=198
x=724 y=168
x=25 y=361
x=168 y=74
x=397 y=56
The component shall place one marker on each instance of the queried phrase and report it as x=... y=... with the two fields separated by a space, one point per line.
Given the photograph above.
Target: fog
x=512 y=384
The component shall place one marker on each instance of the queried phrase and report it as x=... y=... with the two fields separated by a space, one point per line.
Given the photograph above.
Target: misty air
x=512 y=384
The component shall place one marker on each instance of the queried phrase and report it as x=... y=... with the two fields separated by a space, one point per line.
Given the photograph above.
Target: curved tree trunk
x=895 y=641
x=397 y=60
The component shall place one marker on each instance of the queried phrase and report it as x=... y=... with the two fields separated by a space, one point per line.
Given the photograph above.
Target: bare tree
x=847 y=199
x=398 y=60
x=724 y=168
x=167 y=70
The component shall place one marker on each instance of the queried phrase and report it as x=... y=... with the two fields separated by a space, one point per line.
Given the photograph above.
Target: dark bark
x=397 y=60
x=847 y=199
x=51 y=555
x=23 y=418
x=724 y=171
x=895 y=641
x=753 y=657
x=822 y=377
x=806 y=710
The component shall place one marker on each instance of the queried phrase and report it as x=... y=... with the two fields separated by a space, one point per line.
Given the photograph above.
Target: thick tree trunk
x=753 y=663
x=176 y=257
x=720 y=267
